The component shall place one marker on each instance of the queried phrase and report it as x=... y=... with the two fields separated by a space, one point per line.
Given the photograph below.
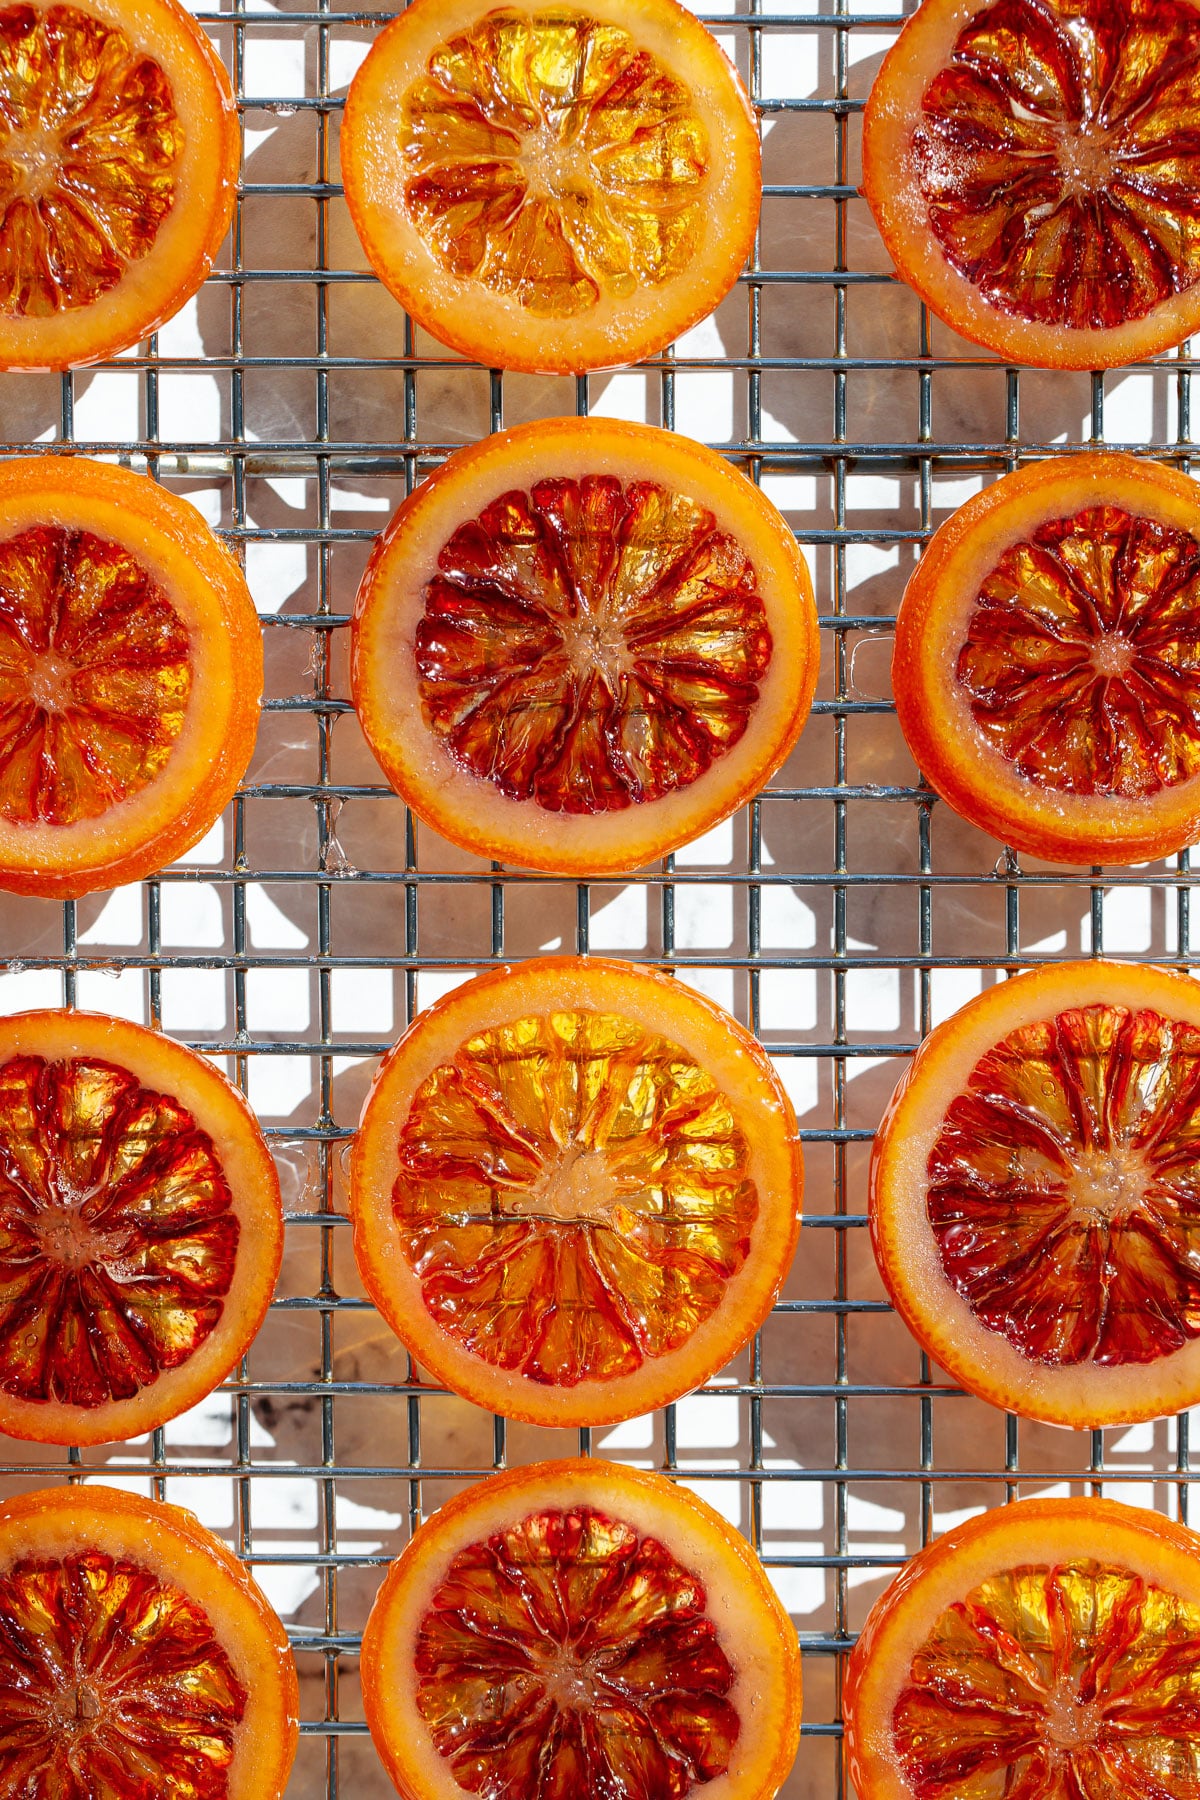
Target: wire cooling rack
x=841 y=914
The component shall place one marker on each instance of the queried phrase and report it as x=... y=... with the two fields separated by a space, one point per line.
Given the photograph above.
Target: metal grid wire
x=841 y=914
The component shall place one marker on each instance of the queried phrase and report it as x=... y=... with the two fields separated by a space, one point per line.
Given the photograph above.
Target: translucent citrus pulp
x=575 y=1190
x=119 y=152
x=140 y=1227
x=1045 y=1651
x=552 y=186
x=1035 y=1194
x=581 y=643
x=130 y=676
x=1046 y=669
x=1032 y=168
x=138 y=1659
x=580 y=1627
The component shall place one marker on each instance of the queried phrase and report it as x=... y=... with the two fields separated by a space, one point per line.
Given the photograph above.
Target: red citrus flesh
x=89 y=143
x=574 y=1196
x=1057 y=154
x=112 y=1686
x=568 y=1654
x=553 y=159
x=1049 y=1681
x=117 y=1232
x=95 y=676
x=1082 y=656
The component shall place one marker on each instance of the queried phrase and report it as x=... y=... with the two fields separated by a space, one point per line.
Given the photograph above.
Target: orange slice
x=1046 y=669
x=1035 y=1194
x=550 y=186
x=138 y=1659
x=1031 y=165
x=130 y=676
x=575 y=1190
x=1046 y=1651
x=119 y=153
x=582 y=643
x=140 y=1228
x=580 y=1627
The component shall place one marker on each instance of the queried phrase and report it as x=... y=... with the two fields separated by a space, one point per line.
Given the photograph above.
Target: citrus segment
x=1032 y=169
x=1045 y=1650
x=557 y=187
x=118 y=166
x=140 y=1230
x=1034 y=1194
x=579 y=1626
x=1046 y=665
x=137 y=1658
x=130 y=676
x=580 y=642
x=575 y=1190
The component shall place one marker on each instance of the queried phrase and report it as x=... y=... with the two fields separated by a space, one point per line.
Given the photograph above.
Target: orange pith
x=1033 y=1194
x=574 y=1196
x=576 y=1627
x=1044 y=1651
x=1047 y=662
x=550 y=157
x=89 y=140
x=117 y=1232
x=603 y=1638
x=95 y=676
x=138 y=1658
x=582 y=642
x=591 y=645
x=552 y=187
x=574 y=1190
x=110 y=1683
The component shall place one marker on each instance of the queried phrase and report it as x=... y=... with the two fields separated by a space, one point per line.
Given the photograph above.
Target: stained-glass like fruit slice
x=1031 y=165
x=580 y=1627
x=1035 y=1194
x=1045 y=1651
x=552 y=186
x=140 y=1227
x=119 y=152
x=138 y=1659
x=581 y=643
x=1047 y=660
x=130 y=676
x=575 y=1190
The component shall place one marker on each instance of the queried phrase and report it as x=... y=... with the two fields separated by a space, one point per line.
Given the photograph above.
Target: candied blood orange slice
x=1035 y=1194
x=1032 y=167
x=138 y=1659
x=580 y=1627
x=130 y=676
x=1044 y=1651
x=119 y=153
x=1047 y=660
x=140 y=1227
x=575 y=1190
x=581 y=643
x=552 y=186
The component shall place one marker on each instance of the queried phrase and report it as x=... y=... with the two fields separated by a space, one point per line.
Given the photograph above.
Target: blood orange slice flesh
x=580 y=1627
x=140 y=1228
x=1031 y=165
x=575 y=1190
x=558 y=187
x=1034 y=1194
x=130 y=676
x=1045 y=666
x=581 y=643
x=119 y=152
x=1045 y=1651
x=138 y=1659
